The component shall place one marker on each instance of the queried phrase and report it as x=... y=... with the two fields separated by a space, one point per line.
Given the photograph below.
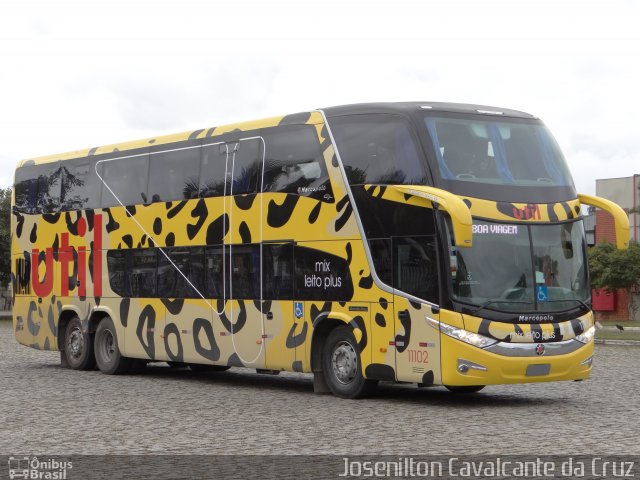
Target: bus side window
x=416 y=267
x=126 y=178
x=382 y=259
x=26 y=193
x=119 y=271
x=184 y=277
x=247 y=167
x=143 y=272
x=294 y=162
x=80 y=186
x=378 y=149
x=215 y=266
x=173 y=175
x=245 y=268
x=321 y=276
x=49 y=182
x=277 y=271
x=212 y=172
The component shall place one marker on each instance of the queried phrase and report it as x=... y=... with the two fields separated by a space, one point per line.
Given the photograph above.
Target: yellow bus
x=433 y=243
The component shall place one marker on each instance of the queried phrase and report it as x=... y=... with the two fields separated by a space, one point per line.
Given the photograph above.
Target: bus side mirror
x=450 y=203
x=620 y=218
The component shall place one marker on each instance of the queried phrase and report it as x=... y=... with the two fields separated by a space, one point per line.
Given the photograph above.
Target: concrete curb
x=614 y=329
x=625 y=343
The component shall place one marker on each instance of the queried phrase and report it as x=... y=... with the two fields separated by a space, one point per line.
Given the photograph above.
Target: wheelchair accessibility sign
x=542 y=293
x=298 y=310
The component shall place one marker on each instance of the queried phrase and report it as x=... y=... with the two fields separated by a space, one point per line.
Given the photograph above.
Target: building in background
x=624 y=191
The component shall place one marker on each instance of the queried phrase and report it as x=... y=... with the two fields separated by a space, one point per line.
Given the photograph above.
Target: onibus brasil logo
x=33 y=468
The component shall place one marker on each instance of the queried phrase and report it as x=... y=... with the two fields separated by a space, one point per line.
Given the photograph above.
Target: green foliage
x=611 y=268
x=5 y=236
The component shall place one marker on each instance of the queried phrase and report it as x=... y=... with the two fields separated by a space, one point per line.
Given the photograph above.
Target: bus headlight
x=471 y=338
x=586 y=337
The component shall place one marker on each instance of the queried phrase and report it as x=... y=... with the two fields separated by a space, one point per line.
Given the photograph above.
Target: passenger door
x=417 y=344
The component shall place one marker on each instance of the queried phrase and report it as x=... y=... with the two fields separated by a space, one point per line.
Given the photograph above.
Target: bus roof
x=297 y=118
x=310 y=117
x=411 y=107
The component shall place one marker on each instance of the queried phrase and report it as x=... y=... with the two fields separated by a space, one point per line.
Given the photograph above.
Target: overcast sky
x=78 y=74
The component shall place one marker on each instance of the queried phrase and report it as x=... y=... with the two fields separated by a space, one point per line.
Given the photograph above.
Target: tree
x=613 y=269
x=5 y=236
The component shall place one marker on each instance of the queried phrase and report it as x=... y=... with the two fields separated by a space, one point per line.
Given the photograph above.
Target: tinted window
x=174 y=175
x=215 y=272
x=179 y=281
x=26 y=189
x=245 y=268
x=49 y=178
x=383 y=218
x=127 y=179
x=246 y=167
x=212 y=175
x=321 y=276
x=143 y=273
x=277 y=271
x=117 y=263
x=378 y=149
x=382 y=259
x=80 y=185
x=294 y=162
x=416 y=267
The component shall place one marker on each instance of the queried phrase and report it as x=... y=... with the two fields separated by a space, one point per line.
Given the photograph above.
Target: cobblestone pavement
x=46 y=409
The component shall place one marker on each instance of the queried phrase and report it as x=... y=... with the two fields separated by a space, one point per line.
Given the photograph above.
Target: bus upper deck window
x=294 y=162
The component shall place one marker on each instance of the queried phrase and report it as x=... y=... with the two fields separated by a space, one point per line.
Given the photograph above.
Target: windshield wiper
x=498 y=300
x=582 y=304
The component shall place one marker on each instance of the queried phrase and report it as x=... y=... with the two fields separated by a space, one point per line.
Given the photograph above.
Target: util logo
x=528 y=212
x=65 y=258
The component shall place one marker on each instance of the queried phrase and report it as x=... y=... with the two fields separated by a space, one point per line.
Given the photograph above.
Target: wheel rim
x=75 y=343
x=344 y=362
x=107 y=346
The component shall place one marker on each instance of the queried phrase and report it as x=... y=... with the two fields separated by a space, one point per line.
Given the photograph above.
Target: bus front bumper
x=503 y=363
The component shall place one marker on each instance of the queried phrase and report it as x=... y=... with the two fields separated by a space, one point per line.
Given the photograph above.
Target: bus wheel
x=465 y=389
x=341 y=365
x=199 y=367
x=78 y=347
x=108 y=356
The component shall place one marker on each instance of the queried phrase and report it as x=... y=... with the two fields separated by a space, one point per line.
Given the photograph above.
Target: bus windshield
x=521 y=268
x=497 y=151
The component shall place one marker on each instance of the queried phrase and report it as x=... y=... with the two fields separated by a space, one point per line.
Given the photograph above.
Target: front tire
x=108 y=356
x=78 y=347
x=341 y=365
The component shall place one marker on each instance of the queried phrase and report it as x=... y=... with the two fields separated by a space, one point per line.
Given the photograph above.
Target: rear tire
x=78 y=347
x=108 y=356
x=341 y=365
x=465 y=389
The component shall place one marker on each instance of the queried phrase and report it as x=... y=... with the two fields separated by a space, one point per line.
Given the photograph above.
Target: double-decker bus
x=433 y=243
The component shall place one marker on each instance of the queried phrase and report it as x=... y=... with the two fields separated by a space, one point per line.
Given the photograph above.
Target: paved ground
x=48 y=410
